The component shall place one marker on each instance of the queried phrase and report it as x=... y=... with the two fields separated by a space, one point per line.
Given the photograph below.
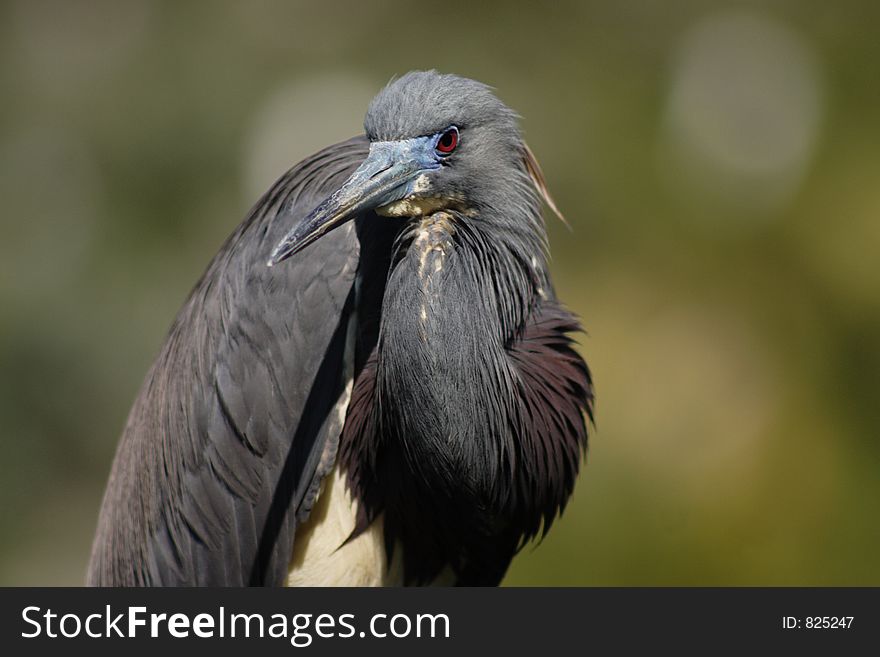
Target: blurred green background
x=719 y=163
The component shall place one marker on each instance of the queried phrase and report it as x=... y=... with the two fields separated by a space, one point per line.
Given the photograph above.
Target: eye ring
x=447 y=142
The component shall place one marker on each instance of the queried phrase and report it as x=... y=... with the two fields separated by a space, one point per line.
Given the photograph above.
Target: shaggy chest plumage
x=467 y=441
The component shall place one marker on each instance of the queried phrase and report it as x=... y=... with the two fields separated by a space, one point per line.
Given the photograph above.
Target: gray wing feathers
x=233 y=428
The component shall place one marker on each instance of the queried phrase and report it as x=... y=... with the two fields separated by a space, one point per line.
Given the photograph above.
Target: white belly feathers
x=318 y=559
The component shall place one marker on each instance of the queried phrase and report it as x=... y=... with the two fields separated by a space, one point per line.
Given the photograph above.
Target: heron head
x=436 y=142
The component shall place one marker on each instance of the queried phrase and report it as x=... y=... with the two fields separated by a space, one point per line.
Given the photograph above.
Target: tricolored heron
x=373 y=382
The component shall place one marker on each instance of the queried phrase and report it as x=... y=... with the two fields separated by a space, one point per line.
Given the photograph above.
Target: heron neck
x=453 y=302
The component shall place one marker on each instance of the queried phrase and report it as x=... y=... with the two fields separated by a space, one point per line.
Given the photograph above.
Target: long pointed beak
x=384 y=177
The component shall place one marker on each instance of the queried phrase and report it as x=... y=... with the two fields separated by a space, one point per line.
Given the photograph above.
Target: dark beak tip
x=277 y=257
x=279 y=254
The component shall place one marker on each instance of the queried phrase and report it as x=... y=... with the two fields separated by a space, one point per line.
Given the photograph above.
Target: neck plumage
x=466 y=422
x=455 y=299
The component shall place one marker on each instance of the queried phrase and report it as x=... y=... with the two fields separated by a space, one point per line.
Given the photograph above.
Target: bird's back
x=234 y=427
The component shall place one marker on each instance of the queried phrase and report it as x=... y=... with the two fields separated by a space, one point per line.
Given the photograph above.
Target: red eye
x=448 y=141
